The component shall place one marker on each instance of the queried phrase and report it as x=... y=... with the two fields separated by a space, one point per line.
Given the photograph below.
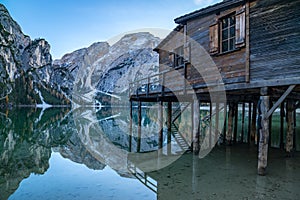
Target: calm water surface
x=84 y=154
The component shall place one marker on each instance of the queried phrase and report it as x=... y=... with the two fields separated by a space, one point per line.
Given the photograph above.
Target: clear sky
x=72 y=24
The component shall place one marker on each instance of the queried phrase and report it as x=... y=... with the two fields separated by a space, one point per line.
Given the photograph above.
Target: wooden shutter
x=240 y=28
x=214 y=38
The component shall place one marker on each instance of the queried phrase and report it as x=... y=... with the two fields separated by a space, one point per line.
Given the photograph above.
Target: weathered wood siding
x=274 y=40
x=231 y=65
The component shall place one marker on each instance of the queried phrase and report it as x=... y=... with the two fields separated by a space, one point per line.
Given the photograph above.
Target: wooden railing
x=149 y=85
x=155 y=84
x=143 y=177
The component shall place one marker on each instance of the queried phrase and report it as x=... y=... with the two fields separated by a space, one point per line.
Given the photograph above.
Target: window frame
x=179 y=57
x=230 y=38
x=215 y=32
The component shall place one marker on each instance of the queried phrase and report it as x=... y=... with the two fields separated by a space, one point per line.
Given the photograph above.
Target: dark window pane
x=225 y=46
x=231 y=44
x=232 y=31
x=225 y=34
x=224 y=23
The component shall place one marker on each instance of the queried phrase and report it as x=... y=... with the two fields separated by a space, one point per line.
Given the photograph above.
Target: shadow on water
x=98 y=139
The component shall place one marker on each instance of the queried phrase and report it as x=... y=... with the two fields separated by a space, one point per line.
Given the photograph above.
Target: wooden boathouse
x=234 y=54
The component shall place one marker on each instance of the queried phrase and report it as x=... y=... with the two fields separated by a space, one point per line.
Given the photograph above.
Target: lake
x=87 y=153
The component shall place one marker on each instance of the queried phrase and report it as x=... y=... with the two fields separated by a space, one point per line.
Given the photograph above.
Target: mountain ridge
x=29 y=76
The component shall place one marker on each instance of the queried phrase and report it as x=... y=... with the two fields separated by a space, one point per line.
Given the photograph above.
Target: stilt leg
x=264 y=132
x=196 y=121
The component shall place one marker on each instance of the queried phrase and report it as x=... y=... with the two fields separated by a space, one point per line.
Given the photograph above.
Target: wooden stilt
x=230 y=124
x=160 y=122
x=263 y=131
x=290 y=127
x=243 y=123
x=139 y=126
x=225 y=123
x=196 y=121
x=253 y=124
x=249 y=123
x=217 y=122
x=235 y=138
x=281 y=125
x=192 y=121
x=210 y=124
x=169 y=125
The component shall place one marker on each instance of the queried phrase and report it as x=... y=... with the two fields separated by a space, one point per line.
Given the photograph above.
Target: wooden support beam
x=217 y=122
x=249 y=123
x=282 y=114
x=160 y=124
x=225 y=123
x=253 y=123
x=196 y=121
x=210 y=124
x=243 y=123
x=263 y=144
x=290 y=127
x=139 y=126
x=235 y=138
x=230 y=124
x=280 y=100
x=169 y=125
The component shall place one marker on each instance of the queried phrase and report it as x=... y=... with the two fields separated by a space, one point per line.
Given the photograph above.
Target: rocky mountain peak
x=25 y=65
x=108 y=68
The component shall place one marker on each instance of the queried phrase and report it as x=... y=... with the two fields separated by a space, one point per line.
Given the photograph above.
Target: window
x=228 y=33
x=178 y=57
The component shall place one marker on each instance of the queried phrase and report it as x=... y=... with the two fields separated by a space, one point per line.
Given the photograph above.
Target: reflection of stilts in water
x=210 y=129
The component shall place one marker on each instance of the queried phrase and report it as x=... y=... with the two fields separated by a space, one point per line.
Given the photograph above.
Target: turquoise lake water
x=86 y=154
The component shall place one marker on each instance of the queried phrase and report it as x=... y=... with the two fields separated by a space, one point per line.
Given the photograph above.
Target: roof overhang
x=225 y=4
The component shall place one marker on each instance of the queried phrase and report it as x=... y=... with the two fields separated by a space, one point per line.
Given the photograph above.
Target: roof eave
x=204 y=11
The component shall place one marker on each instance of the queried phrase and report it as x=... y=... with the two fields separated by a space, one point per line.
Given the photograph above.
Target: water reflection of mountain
x=24 y=146
x=27 y=137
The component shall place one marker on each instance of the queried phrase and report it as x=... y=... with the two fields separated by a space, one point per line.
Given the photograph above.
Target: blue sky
x=72 y=24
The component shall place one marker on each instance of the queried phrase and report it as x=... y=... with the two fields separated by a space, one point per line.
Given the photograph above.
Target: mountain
x=25 y=66
x=103 y=68
x=29 y=76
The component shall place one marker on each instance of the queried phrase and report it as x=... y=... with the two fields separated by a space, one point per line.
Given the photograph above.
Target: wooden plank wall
x=274 y=39
x=230 y=65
